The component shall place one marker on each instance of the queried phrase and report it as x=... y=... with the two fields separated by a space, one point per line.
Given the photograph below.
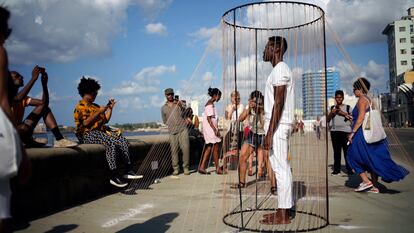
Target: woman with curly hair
x=90 y=120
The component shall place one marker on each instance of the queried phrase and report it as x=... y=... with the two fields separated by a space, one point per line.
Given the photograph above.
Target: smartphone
x=176 y=97
x=109 y=103
x=42 y=69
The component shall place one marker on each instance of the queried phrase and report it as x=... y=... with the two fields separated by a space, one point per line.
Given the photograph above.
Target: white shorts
x=5 y=194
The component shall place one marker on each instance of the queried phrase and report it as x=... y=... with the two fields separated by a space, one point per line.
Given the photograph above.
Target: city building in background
x=397 y=106
x=313 y=91
x=194 y=105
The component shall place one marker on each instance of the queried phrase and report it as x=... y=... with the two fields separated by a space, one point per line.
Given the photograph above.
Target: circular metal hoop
x=236 y=25
x=323 y=224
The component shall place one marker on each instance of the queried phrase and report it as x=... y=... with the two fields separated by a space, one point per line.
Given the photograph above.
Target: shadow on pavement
x=62 y=228
x=157 y=224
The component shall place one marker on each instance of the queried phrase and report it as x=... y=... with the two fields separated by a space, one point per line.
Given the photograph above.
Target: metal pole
x=256 y=112
x=326 y=128
x=237 y=117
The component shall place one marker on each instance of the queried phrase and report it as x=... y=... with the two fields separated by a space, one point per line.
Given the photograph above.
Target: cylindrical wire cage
x=246 y=30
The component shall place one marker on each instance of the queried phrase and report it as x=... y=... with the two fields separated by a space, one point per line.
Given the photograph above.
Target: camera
x=42 y=70
x=176 y=97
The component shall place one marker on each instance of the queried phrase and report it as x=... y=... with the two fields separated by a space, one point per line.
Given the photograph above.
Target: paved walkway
x=198 y=203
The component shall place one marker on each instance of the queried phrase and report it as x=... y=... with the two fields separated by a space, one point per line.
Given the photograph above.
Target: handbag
x=10 y=147
x=372 y=126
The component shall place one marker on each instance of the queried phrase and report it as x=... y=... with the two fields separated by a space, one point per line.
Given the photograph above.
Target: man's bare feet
x=281 y=216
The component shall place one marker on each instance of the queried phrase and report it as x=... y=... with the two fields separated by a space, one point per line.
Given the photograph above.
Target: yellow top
x=83 y=111
x=17 y=109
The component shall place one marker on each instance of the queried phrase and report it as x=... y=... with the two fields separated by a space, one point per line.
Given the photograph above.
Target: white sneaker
x=132 y=175
x=64 y=143
x=363 y=186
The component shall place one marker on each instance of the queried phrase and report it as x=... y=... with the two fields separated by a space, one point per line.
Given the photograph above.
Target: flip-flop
x=239 y=185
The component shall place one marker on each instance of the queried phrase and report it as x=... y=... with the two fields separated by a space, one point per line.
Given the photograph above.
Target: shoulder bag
x=372 y=126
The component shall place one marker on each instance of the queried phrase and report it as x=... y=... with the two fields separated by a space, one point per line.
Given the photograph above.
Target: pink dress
x=208 y=132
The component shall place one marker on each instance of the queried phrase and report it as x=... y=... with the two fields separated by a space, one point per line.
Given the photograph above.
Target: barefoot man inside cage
x=279 y=116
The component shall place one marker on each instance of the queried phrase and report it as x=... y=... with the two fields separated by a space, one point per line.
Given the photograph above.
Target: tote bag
x=372 y=126
x=10 y=148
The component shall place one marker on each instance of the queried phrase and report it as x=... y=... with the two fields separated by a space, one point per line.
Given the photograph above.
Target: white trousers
x=278 y=157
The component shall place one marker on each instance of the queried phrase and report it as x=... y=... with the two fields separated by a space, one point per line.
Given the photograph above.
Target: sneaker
x=363 y=186
x=186 y=171
x=176 y=172
x=132 y=175
x=335 y=173
x=374 y=190
x=31 y=143
x=117 y=182
x=64 y=143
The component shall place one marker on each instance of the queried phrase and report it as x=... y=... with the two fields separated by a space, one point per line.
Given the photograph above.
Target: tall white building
x=398 y=105
x=194 y=105
x=400 y=34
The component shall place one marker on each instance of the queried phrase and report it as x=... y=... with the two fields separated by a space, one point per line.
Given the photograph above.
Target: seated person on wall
x=90 y=120
x=192 y=122
x=20 y=100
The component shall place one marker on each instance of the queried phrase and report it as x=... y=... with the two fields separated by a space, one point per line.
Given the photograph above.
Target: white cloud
x=363 y=21
x=154 y=71
x=156 y=101
x=39 y=20
x=212 y=36
x=53 y=97
x=156 y=28
x=132 y=103
x=62 y=31
x=135 y=93
x=376 y=74
x=133 y=88
x=208 y=76
x=151 y=8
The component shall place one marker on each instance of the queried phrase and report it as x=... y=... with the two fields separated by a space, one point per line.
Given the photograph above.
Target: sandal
x=240 y=185
x=203 y=172
x=373 y=190
x=220 y=171
x=250 y=173
x=273 y=190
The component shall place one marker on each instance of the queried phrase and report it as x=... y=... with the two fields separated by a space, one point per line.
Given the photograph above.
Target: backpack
x=348 y=108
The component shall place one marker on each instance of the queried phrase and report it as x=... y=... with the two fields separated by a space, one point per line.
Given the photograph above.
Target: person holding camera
x=20 y=100
x=90 y=121
x=172 y=116
x=340 y=121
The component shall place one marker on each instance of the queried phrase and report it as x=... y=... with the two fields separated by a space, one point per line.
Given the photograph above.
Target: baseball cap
x=169 y=91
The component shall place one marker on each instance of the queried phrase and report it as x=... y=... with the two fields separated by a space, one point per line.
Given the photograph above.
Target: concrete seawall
x=64 y=177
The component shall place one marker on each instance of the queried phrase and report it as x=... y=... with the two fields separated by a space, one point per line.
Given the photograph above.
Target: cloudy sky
x=137 y=48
